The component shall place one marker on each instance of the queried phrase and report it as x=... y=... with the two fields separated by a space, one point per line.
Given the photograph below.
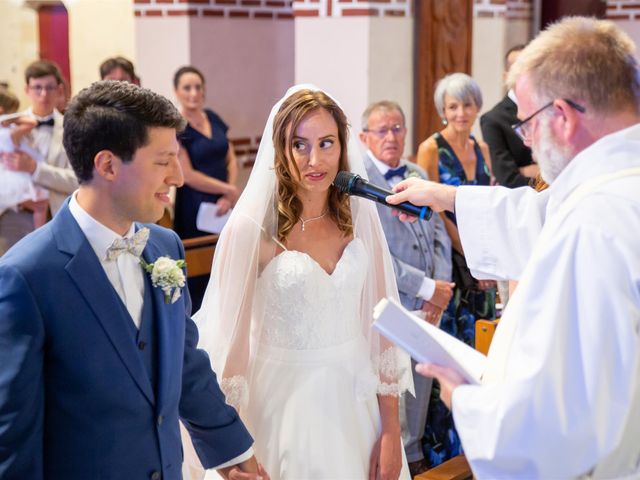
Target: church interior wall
x=18 y=45
x=97 y=32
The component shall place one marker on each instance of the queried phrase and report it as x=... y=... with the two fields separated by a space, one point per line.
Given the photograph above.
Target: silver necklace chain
x=313 y=218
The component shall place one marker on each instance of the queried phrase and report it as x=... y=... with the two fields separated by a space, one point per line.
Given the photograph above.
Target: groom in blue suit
x=421 y=255
x=98 y=358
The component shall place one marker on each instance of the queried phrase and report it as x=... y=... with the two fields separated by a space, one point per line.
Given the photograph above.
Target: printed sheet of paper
x=426 y=343
x=208 y=220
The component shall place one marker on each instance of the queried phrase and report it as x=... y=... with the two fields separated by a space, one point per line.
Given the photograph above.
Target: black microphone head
x=344 y=181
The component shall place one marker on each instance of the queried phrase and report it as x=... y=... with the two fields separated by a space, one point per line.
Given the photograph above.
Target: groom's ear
x=105 y=164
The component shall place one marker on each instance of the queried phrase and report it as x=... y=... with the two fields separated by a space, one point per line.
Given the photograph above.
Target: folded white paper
x=426 y=343
x=208 y=220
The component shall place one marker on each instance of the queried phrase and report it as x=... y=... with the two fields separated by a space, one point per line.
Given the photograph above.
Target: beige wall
x=162 y=45
x=248 y=64
x=391 y=67
x=18 y=45
x=333 y=54
x=358 y=60
x=492 y=37
x=98 y=29
x=632 y=27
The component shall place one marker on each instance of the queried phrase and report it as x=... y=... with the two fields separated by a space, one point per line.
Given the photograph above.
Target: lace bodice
x=305 y=307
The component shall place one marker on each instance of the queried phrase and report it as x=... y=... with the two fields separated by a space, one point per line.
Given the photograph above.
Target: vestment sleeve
x=572 y=366
x=498 y=228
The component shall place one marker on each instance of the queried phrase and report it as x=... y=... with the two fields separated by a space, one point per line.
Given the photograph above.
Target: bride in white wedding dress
x=287 y=315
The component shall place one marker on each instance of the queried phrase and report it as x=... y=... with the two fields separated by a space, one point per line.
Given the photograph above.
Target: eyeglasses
x=42 y=88
x=522 y=127
x=382 y=132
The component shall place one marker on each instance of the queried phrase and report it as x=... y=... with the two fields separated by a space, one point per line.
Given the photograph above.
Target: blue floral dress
x=441 y=440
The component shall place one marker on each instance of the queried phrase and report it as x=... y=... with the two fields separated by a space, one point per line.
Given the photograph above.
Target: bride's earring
x=444 y=122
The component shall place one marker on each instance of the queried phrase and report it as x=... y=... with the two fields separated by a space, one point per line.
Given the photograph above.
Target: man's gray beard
x=552 y=157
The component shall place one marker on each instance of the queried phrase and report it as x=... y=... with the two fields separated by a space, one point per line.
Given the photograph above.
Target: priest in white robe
x=560 y=396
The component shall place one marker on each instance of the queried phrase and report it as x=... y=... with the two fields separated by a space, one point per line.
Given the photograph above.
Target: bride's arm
x=386 y=456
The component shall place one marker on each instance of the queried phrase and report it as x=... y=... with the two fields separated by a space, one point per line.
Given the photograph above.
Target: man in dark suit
x=99 y=359
x=510 y=158
x=421 y=254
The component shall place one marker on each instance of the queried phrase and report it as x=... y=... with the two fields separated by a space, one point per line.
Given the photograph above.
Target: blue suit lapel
x=168 y=324
x=86 y=272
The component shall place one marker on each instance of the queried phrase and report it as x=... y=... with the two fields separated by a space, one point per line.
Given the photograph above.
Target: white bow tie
x=134 y=245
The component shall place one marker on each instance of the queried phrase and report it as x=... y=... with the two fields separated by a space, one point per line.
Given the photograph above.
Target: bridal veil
x=230 y=320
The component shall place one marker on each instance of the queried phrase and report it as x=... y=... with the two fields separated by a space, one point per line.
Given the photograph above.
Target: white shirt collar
x=40 y=119
x=99 y=236
x=512 y=95
x=608 y=154
x=382 y=167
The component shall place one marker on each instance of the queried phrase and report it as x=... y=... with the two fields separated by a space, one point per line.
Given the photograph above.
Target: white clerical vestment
x=561 y=394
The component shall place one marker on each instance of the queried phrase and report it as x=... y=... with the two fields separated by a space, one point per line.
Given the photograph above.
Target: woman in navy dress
x=453 y=156
x=208 y=163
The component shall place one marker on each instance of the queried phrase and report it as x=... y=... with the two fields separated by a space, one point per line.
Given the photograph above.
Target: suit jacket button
x=415 y=247
x=141 y=345
x=155 y=476
x=160 y=419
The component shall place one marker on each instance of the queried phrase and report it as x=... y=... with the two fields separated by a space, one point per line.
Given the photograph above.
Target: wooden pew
x=455 y=468
x=198 y=253
x=484 y=334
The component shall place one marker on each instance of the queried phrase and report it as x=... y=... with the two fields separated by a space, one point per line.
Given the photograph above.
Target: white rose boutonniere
x=167 y=274
x=412 y=174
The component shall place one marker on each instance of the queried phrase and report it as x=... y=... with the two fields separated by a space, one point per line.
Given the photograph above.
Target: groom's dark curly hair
x=114 y=116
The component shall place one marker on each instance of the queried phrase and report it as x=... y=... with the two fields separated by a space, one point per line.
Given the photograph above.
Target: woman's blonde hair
x=285 y=123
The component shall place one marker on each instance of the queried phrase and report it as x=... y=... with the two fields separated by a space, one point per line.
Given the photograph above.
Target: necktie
x=134 y=245
x=46 y=123
x=395 y=172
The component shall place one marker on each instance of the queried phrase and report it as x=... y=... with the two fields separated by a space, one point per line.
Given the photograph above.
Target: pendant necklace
x=312 y=218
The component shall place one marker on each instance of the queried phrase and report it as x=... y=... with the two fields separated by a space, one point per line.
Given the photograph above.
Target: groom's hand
x=237 y=474
x=247 y=470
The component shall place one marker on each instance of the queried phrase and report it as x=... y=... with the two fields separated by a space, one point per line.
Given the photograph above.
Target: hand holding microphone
x=353 y=184
x=416 y=191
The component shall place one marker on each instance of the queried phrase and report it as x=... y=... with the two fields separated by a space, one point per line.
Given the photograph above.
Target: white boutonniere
x=412 y=174
x=167 y=274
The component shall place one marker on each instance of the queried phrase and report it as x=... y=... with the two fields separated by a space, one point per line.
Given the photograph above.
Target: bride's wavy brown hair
x=286 y=121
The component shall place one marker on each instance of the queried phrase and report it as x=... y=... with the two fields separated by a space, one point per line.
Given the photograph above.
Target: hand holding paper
x=208 y=219
x=426 y=343
x=448 y=379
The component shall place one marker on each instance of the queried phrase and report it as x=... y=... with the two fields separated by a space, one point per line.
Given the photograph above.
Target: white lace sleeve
x=391 y=371
x=236 y=391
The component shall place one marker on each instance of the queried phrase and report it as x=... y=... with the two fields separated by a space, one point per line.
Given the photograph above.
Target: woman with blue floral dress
x=454 y=157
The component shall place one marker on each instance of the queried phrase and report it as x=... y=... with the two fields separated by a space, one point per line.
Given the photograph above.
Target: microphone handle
x=377 y=194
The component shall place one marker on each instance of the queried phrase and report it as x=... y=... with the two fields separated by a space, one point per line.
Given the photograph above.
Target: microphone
x=353 y=184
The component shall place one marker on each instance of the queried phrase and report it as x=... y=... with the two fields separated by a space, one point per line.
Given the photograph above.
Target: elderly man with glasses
x=421 y=255
x=560 y=394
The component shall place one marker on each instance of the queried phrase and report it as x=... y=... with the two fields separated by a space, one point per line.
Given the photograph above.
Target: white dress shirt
x=41 y=136
x=125 y=273
x=428 y=287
